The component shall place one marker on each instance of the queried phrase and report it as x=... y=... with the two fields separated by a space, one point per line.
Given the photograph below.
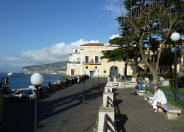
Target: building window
x=78 y=60
x=86 y=67
x=86 y=59
x=96 y=59
x=95 y=67
x=76 y=51
x=72 y=72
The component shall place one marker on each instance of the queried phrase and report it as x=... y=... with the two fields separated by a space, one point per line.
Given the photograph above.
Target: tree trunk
x=135 y=66
x=134 y=70
x=155 y=78
x=126 y=66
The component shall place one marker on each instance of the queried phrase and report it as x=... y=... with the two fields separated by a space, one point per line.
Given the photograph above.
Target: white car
x=22 y=95
x=27 y=94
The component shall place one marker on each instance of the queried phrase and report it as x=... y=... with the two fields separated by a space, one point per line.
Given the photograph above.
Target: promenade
x=136 y=115
x=63 y=111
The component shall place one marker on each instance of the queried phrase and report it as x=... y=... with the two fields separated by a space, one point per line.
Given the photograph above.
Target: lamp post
x=104 y=75
x=98 y=78
x=175 y=37
x=84 y=73
x=93 y=78
x=1 y=105
x=36 y=80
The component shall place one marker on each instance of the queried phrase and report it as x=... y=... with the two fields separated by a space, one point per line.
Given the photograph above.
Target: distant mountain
x=53 y=68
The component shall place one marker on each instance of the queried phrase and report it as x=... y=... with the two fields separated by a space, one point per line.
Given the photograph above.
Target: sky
x=45 y=31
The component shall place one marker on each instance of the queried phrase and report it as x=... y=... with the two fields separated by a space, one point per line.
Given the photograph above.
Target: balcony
x=91 y=63
x=78 y=62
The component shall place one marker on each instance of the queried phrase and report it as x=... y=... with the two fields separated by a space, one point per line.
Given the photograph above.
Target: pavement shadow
x=65 y=103
x=19 y=117
x=120 y=119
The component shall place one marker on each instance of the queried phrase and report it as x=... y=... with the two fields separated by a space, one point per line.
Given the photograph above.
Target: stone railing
x=106 y=119
x=121 y=84
x=106 y=111
x=108 y=99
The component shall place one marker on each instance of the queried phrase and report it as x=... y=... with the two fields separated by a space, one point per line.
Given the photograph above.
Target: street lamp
x=36 y=80
x=175 y=37
x=84 y=74
x=98 y=77
x=93 y=78
x=104 y=75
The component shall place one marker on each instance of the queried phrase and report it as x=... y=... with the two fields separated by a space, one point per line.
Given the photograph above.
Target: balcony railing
x=91 y=63
x=73 y=62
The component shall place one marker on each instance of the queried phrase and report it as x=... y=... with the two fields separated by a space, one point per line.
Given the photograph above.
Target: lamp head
x=37 y=79
x=175 y=36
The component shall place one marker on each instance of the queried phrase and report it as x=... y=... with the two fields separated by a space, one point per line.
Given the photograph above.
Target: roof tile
x=93 y=44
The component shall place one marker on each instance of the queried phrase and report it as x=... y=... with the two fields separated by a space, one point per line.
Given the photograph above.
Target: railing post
x=108 y=99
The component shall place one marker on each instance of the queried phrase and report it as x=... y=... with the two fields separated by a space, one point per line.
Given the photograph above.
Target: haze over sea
x=17 y=81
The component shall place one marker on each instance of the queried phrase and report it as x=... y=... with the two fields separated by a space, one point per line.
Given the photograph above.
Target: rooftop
x=93 y=44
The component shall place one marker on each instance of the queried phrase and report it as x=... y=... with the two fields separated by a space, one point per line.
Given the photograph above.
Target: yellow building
x=92 y=64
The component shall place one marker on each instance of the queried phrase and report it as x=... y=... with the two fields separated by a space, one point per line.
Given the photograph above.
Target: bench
x=129 y=84
x=172 y=111
x=140 y=92
x=114 y=85
x=148 y=96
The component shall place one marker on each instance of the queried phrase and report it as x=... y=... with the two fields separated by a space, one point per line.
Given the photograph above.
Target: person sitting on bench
x=139 y=86
x=158 y=99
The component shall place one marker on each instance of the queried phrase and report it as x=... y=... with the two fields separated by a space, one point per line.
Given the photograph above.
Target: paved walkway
x=63 y=111
x=137 y=116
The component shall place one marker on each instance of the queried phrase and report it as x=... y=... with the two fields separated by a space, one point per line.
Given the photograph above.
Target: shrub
x=63 y=78
x=140 y=78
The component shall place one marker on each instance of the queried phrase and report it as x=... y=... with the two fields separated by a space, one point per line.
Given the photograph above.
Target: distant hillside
x=58 y=67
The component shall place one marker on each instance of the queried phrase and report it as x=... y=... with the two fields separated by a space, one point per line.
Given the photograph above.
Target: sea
x=20 y=80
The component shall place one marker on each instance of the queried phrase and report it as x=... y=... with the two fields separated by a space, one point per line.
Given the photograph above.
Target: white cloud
x=57 y=52
x=114 y=7
x=114 y=36
x=54 y=53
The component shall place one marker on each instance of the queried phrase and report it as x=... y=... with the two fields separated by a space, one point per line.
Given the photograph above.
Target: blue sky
x=36 y=31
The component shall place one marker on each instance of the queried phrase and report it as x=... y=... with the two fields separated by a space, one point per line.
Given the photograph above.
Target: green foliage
x=168 y=75
x=117 y=41
x=173 y=82
x=181 y=82
x=115 y=55
x=152 y=22
x=181 y=73
x=63 y=78
x=140 y=78
x=166 y=61
x=176 y=104
x=164 y=11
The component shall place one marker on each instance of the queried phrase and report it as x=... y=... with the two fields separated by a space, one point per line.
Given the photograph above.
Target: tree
x=126 y=50
x=151 y=23
x=146 y=29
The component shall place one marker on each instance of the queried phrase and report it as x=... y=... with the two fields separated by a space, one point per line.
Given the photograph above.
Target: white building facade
x=87 y=60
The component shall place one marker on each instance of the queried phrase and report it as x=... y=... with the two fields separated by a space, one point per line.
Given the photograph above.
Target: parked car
x=21 y=95
x=28 y=95
x=12 y=96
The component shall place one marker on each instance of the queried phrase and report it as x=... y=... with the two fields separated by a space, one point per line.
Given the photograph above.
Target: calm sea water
x=23 y=80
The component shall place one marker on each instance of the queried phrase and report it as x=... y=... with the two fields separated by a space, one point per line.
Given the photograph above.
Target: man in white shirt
x=158 y=99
